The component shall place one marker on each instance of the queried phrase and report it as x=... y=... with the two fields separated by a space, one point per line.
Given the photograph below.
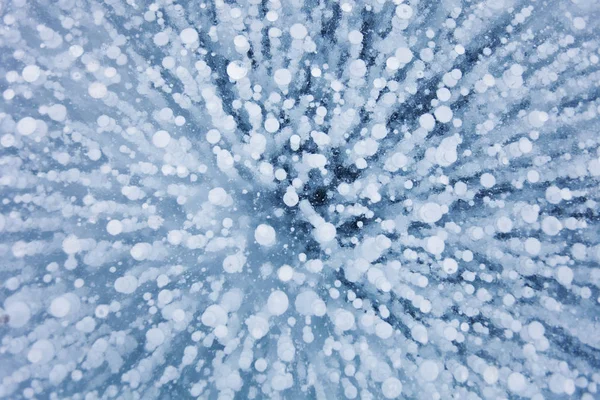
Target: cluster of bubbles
x=299 y=199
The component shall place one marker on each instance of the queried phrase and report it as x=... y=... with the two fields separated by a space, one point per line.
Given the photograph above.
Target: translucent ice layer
x=300 y=199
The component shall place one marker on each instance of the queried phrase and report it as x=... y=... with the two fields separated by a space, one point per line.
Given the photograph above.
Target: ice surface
x=300 y=199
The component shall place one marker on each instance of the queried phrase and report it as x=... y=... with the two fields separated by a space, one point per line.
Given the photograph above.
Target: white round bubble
x=429 y=370
x=31 y=73
x=161 y=139
x=189 y=36
x=404 y=11
x=18 y=313
x=26 y=126
x=217 y=196
x=343 y=319
x=285 y=273
x=277 y=303
x=443 y=114
x=282 y=77
x=97 y=90
x=430 y=212
x=140 y=251
x=60 y=307
x=265 y=235
x=516 y=382
x=298 y=31
x=41 y=352
x=126 y=284
x=325 y=232
x=391 y=388
x=487 y=180
x=236 y=70
x=114 y=227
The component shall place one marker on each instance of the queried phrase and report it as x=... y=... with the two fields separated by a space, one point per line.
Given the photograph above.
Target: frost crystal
x=301 y=199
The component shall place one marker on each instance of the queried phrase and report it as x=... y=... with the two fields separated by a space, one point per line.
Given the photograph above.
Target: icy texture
x=299 y=199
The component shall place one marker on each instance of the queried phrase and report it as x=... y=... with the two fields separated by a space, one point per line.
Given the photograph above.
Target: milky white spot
x=391 y=388
x=140 y=251
x=213 y=136
x=97 y=90
x=265 y=235
x=285 y=273
x=26 y=126
x=189 y=36
x=217 y=196
x=236 y=70
x=60 y=307
x=126 y=284
x=41 y=352
x=343 y=319
x=161 y=139
x=71 y=245
x=298 y=31
x=31 y=73
x=516 y=382
x=443 y=114
x=325 y=232
x=551 y=226
x=114 y=227
x=18 y=312
x=430 y=212
x=427 y=122
x=404 y=11
x=277 y=303
x=487 y=180
x=282 y=77
x=429 y=370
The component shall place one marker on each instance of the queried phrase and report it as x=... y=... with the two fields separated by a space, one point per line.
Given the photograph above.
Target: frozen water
x=301 y=199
